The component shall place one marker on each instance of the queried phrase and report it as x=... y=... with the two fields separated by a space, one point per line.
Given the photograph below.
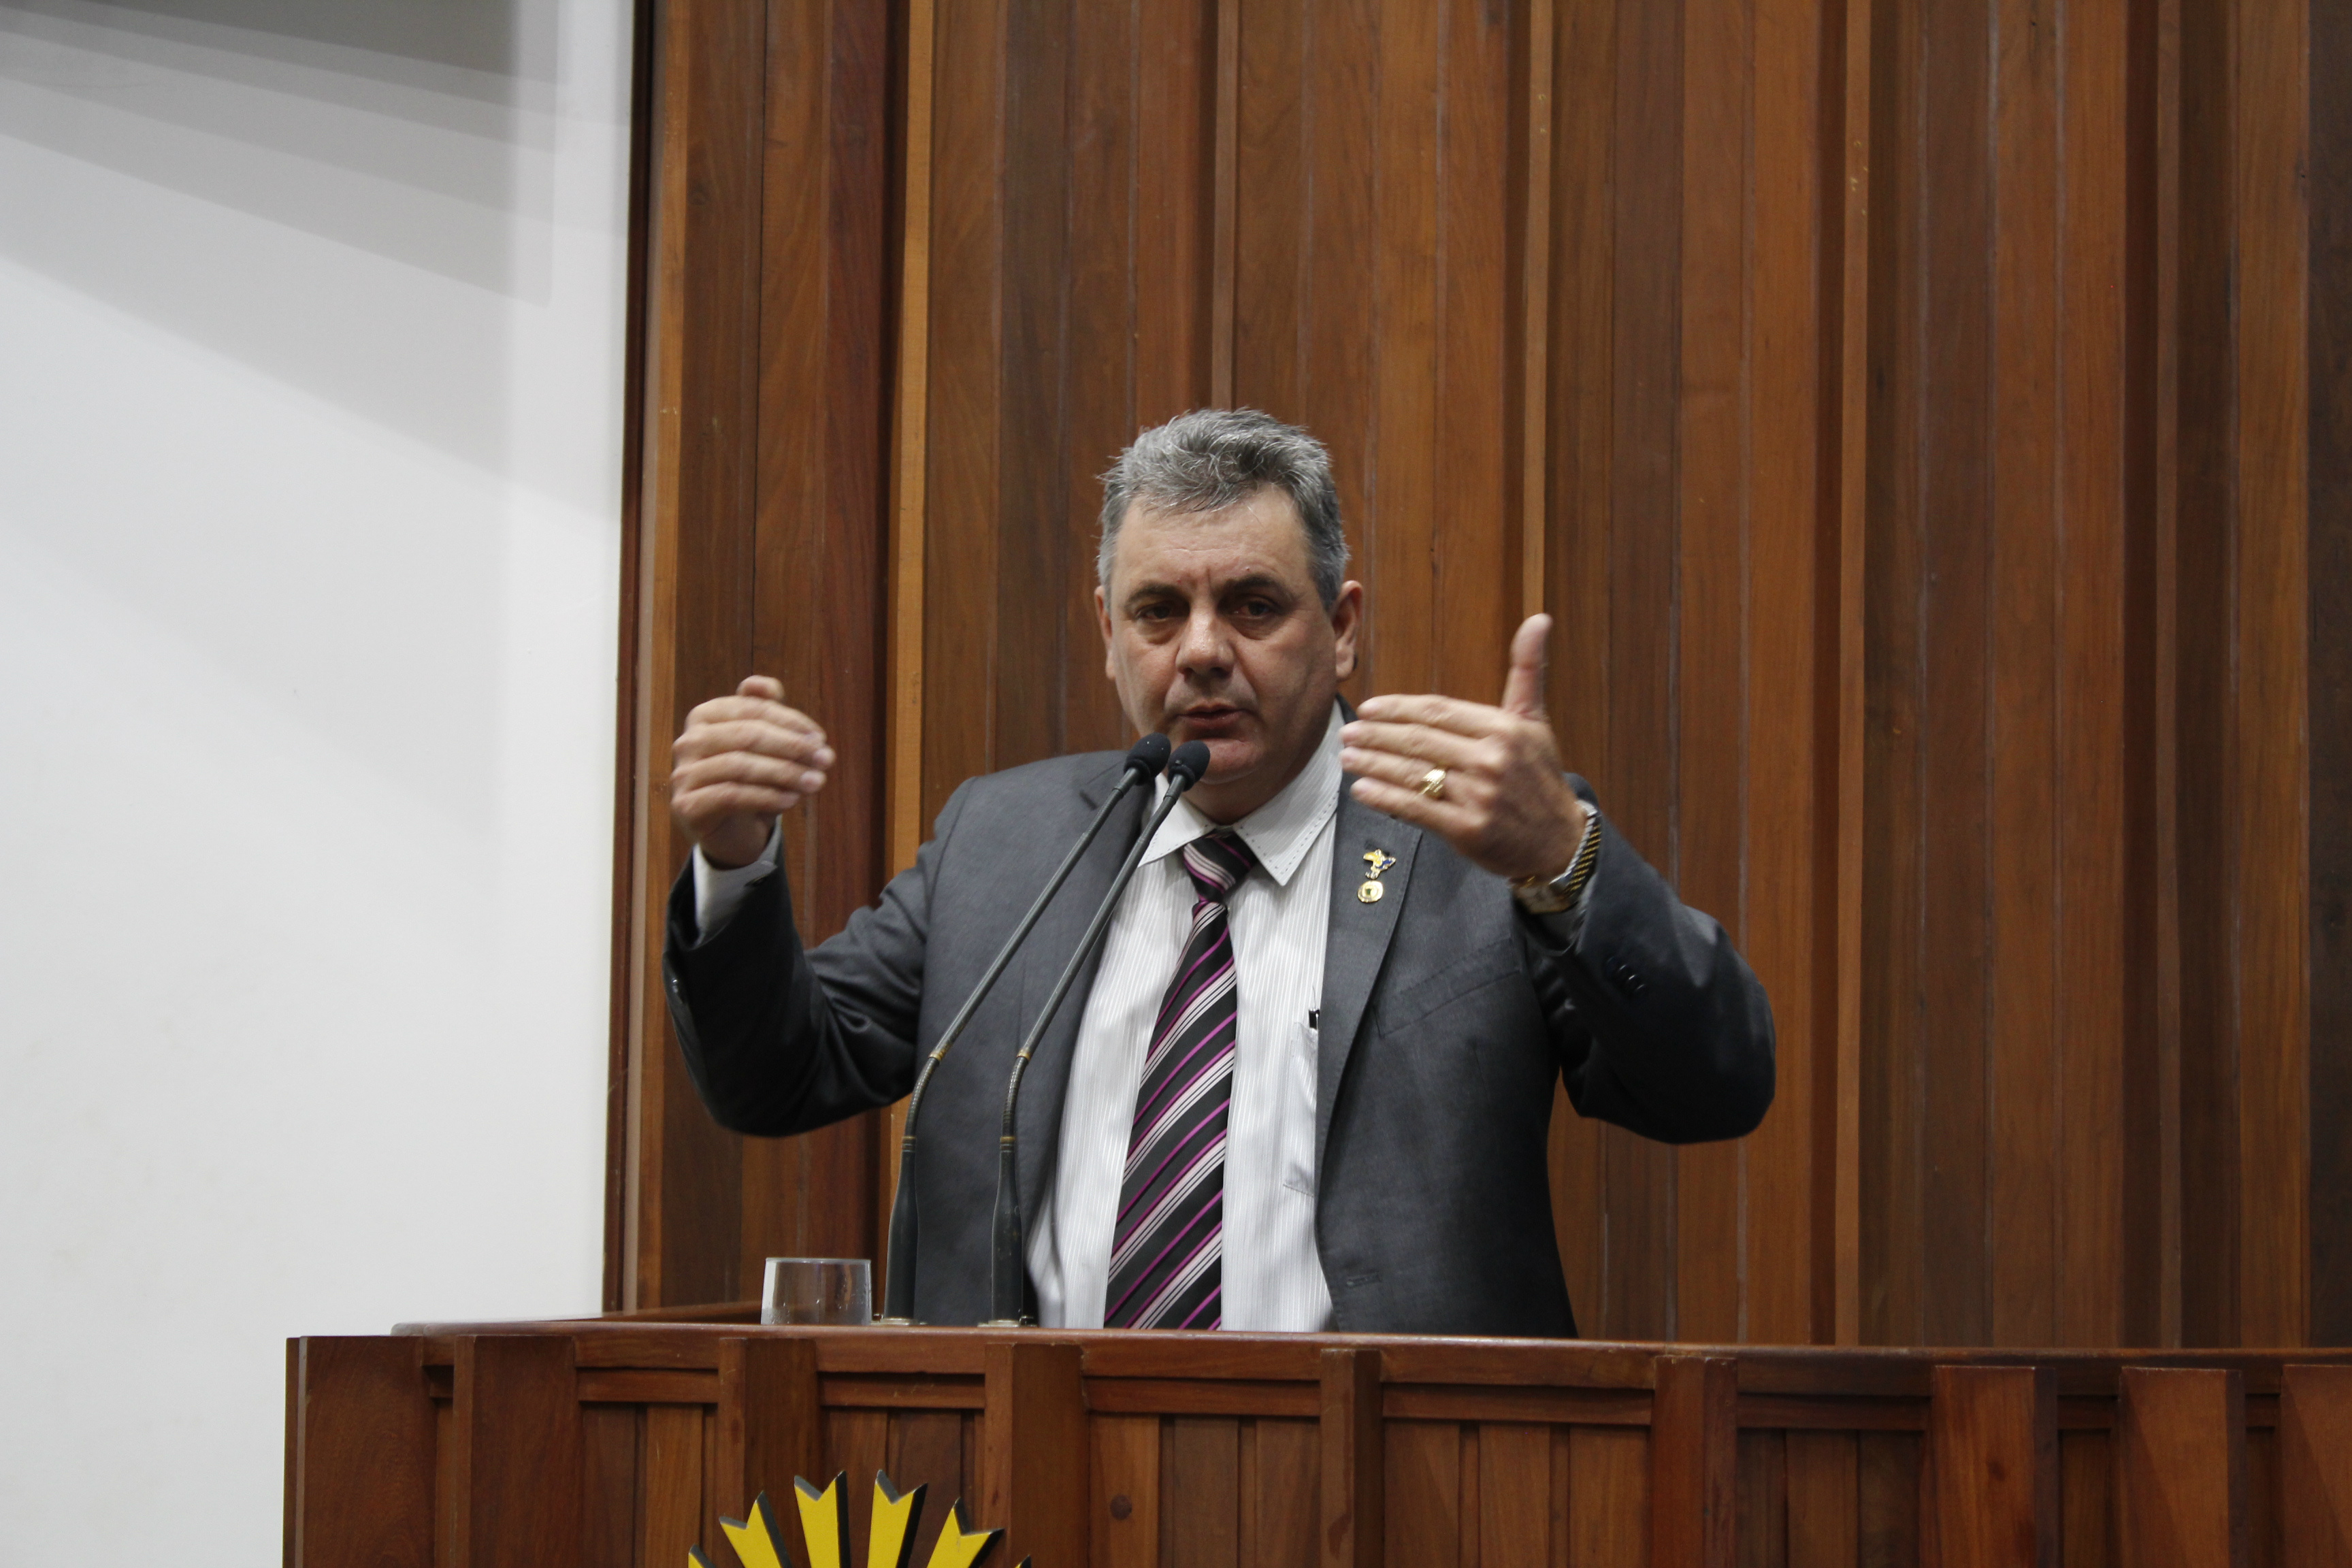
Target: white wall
x=309 y=365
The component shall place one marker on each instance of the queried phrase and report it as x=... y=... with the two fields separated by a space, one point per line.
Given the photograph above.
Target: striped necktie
x=1167 y=1247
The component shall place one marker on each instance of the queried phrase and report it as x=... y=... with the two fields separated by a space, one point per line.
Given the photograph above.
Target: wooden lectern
x=618 y=1441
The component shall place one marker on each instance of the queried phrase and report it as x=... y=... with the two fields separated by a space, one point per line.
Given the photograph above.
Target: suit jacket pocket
x=1408 y=999
x=1297 y=1160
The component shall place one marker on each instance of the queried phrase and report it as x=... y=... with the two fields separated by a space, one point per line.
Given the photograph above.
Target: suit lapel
x=1056 y=936
x=1359 y=941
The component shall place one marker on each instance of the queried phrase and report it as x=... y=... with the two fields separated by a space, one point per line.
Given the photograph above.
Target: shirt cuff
x=718 y=893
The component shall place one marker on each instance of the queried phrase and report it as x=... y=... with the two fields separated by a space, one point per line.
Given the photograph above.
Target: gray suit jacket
x=1448 y=1014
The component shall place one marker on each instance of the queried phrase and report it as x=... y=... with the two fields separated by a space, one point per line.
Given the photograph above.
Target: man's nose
x=1206 y=647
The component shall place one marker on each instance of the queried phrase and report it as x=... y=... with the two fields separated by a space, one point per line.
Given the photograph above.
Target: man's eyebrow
x=1255 y=582
x=1143 y=591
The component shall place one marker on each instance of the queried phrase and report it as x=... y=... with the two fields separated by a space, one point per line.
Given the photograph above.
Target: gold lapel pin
x=1375 y=862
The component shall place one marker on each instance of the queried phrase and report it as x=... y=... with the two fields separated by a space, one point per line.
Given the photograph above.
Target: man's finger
x=713 y=739
x=1523 y=688
x=1440 y=818
x=1421 y=745
x=747 y=767
x=766 y=686
x=711 y=803
x=1474 y=720
x=720 y=710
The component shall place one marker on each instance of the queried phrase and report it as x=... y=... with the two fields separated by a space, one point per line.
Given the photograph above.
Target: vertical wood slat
x=1421 y=1490
x=1515 y=1515
x=696 y=537
x=2329 y=564
x=1200 y=1501
x=903 y=663
x=517 y=1460
x=610 y=1437
x=2271 y=739
x=359 y=1454
x=2180 y=1468
x=1035 y=1442
x=1993 y=1438
x=1824 y=1500
x=1287 y=1484
x=1608 y=1497
x=2315 y=1435
x=672 y=1511
x=1126 y=1492
x=771 y=1429
x=1353 y=1512
x=927 y=1448
x=1694 y=1462
x=1847 y=250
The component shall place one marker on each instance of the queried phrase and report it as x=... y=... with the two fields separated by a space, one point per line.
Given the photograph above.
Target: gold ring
x=1433 y=783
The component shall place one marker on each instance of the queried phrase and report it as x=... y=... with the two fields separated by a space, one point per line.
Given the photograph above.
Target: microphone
x=1007 y=1268
x=1144 y=761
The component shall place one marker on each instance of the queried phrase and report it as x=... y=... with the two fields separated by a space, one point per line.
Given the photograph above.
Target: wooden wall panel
x=1918 y=417
x=766 y=382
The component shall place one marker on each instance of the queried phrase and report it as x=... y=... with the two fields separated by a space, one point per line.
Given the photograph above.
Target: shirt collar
x=1283 y=830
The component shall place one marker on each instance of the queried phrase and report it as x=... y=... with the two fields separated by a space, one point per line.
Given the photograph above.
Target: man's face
x=1213 y=631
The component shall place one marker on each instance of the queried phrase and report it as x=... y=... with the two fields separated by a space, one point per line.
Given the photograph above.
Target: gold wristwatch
x=1555 y=895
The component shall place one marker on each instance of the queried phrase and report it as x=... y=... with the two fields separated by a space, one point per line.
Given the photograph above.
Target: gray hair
x=1212 y=458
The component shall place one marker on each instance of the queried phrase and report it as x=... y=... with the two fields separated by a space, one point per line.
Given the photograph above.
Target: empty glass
x=817 y=1290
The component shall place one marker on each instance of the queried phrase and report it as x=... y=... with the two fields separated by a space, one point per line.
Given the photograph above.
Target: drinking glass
x=817 y=1290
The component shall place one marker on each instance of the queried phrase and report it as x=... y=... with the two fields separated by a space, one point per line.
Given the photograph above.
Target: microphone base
x=896 y=1324
x=1010 y=1323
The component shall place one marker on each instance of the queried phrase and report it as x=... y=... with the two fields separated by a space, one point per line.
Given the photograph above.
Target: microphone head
x=1191 y=761
x=1148 y=756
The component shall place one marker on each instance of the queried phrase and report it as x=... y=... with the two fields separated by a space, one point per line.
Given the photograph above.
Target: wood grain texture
x=1694 y=1462
x=1201 y=1492
x=1608 y=1498
x=1350 y=1533
x=2314 y=1467
x=2330 y=562
x=359 y=1454
x=1126 y=1492
x=515 y=1453
x=610 y=1439
x=1917 y=417
x=771 y=1429
x=2180 y=1468
x=1825 y=1498
x=1993 y=1452
x=671 y=1511
x=1035 y=1443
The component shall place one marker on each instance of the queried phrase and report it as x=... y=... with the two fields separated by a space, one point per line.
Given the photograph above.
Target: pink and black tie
x=1168 y=1246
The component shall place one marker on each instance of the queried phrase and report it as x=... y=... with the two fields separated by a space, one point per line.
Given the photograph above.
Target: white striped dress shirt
x=1278 y=920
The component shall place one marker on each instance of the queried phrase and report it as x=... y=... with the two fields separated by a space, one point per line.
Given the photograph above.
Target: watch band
x=1554 y=895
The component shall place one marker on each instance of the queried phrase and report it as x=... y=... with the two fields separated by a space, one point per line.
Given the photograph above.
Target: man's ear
x=1102 y=620
x=1347 y=617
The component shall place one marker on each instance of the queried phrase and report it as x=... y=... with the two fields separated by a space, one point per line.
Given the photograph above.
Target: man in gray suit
x=1308 y=1082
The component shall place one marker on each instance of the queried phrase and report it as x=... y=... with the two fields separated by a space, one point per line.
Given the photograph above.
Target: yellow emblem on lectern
x=758 y=1540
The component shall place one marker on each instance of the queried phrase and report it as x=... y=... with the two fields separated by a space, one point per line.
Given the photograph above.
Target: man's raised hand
x=1503 y=802
x=741 y=762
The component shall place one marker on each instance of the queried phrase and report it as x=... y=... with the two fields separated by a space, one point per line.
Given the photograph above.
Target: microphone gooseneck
x=1144 y=759
x=1007 y=1268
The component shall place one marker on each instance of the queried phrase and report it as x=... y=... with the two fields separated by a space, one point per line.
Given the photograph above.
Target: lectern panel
x=1173 y=1450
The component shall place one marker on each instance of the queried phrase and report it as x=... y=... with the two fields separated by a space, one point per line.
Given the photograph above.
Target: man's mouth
x=1211 y=716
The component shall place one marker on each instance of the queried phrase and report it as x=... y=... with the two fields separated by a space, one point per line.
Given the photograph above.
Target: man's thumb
x=1523 y=689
